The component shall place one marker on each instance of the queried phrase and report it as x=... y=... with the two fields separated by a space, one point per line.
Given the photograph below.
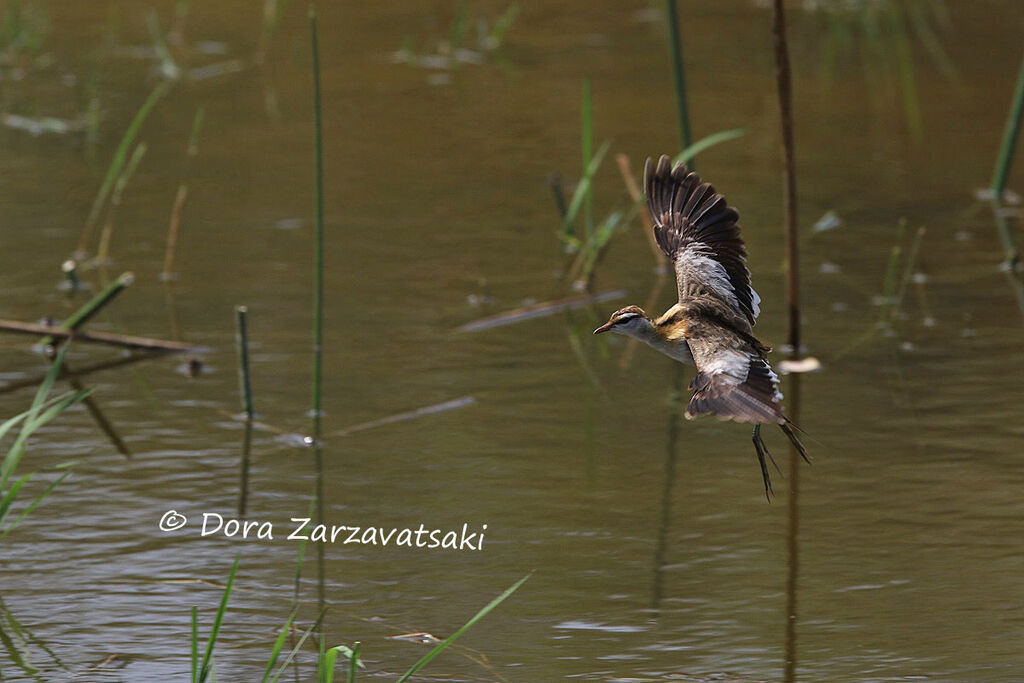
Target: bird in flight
x=711 y=326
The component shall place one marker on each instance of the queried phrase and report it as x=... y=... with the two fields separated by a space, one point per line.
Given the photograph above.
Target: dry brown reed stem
x=633 y=189
x=172 y=231
x=785 y=95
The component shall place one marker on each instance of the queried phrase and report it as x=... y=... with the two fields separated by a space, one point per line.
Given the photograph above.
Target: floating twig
x=409 y=415
x=109 y=338
x=540 y=310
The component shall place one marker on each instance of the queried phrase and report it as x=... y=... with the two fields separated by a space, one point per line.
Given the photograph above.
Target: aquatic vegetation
x=880 y=34
x=117 y=164
x=446 y=54
x=174 y=224
x=202 y=669
x=1007 y=148
x=24 y=28
x=44 y=408
x=784 y=90
x=678 y=73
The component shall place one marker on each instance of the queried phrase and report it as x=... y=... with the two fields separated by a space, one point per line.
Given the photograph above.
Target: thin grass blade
x=117 y=163
x=353 y=663
x=582 y=188
x=706 y=142
x=298 y=646
x=205 y=667
x=195 y=645
x=278 y=646
x=31 y=506
x=465 y=627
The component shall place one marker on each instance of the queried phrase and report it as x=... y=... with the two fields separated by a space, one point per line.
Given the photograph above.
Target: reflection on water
x=656 y=555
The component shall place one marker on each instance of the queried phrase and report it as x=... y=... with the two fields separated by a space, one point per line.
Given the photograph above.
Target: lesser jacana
x=711 y=326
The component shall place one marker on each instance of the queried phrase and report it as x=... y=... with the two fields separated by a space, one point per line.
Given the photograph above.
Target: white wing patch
x=734 y=365
x=775 y=381
x=708 y=272
x=712 y=274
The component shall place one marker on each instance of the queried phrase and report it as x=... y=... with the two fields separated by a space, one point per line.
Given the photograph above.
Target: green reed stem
x=908 y=269
x=242 y=341
x=891 y=269
x=1005 y=159
x=117 y=163
x=195 y=644
x=587 y=147
x=92 y=307
x=423 y=661
x=679 y=74
x=318 y=267
x=353 y=663
x=70 y=268
x=103 y=250
x=206 y=666
x=318 y=303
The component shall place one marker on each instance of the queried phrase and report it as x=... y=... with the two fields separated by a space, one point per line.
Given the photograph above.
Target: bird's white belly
x=677 y=350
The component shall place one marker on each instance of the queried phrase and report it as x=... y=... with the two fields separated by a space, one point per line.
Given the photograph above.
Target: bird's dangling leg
x=762 y=451
x=788 y=431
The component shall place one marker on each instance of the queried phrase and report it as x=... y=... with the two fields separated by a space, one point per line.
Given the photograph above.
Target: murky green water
x=649 y=563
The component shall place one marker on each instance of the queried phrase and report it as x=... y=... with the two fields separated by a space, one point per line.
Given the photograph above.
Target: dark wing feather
x=733 y=380
x=699 y=232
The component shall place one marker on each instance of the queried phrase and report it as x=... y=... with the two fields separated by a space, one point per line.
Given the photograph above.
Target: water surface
x=649 y=562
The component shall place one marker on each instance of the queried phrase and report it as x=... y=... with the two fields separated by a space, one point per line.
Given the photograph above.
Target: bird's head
x=623 y=320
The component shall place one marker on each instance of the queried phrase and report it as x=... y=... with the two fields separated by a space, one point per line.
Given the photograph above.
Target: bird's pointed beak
x=604 y=328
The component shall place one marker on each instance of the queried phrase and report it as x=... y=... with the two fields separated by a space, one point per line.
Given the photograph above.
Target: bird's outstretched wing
x=734 y=381
x=698 y=231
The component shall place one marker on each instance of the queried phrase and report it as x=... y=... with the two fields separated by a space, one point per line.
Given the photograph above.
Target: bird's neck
x=656 y=339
